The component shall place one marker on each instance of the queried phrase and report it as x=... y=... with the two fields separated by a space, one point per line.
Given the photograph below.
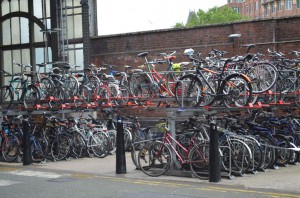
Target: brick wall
x=277 y=34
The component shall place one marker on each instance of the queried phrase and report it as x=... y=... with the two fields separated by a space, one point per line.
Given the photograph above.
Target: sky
x=123 y=16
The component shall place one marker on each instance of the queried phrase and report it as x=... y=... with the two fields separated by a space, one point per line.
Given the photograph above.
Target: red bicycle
x=156 y=157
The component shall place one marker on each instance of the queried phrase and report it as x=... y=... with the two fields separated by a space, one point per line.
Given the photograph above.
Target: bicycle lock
x=214 y=155
x=120 y=152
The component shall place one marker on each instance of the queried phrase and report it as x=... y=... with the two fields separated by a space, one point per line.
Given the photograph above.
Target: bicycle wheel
x=236 y=156
x=208 y=91
x=60 y=147
x=114 y=93
x=140 y=86
x=257 y=153
x=124 y=93
x=104 y=94
x=6 y=97
x=79 y=145
x=59 y=95
x=171 y=80
x=199 y=161
x=46 y=87
x=32 y=96
x=284 y=153
x=264 y=75
x=99 y=143
x=127 y=138
x=113 y=139
x=85 y=93
x=188 y=91
x=154 y=159
x=236 y=91
x=71 y=86
x=39 y=149
x=269 y=152
x=10 y=148
x=94 y=83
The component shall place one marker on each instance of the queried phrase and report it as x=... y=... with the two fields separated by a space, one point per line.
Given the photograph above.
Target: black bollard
x=120 y=153
x=214 y=155
x=26 y=144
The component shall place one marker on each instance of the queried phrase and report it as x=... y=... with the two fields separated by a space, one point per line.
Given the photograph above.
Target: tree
x=214 y=15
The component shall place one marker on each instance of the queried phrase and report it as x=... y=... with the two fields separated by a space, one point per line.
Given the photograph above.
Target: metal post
x=26 y=144
x=120 y=153
x=214 y=155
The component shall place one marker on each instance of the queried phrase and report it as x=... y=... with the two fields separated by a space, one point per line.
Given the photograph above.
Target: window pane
x=24 y=30
x=14 y=5
x=78 y=30
x=24 y=6
x=7 y=61
x=16 y=56
x=26 y=56
x=15 y=30
x=38 y=35
x=6 y=32
x=38 y=11
x=5 y=7
x=71 y=27
x=72 y=55
x=79 y=55
x=39 y=55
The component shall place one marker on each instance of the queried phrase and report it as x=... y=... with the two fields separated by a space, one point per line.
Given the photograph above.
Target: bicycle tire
x=140 y=87
x=32 y=96
x=104 y=94
x=71 y=86
x=257 y=153
x=284 y=153
x=269 y=151
x=99 y=144
x=199 y=161
x=235 y=156
x=46 y=87
x=236 y=90
x=85 y=93
x=10 y=148
x=264 y=75
x=6 y=97
x=60 y=147
x=39 y=149
x=79 y=144
x=113 y=139
x=188 y=91
x=154 y=159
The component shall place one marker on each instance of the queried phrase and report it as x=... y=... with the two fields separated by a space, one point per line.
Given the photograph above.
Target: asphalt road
x=94 y=177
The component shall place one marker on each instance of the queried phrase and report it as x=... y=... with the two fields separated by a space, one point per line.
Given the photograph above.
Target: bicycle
x=150 y=83
x=156 y=157
x=193 y=90
x=28 y=95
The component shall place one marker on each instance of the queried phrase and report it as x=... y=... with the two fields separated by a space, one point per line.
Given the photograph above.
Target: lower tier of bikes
x=247 y=143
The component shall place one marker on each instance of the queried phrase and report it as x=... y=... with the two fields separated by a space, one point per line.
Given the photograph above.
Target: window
x=298 y=3
x=279 y=6
x=273 y=8
x=288 y=4
x=247 y=9
x=251 y=7
x=267 y=9
x=261 y=1
x=256 y=6
x=237 y=9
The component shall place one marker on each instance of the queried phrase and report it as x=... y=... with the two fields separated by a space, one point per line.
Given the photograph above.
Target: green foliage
x=214 y=15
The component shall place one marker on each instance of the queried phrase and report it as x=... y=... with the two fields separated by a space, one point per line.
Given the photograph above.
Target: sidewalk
x=285 y=178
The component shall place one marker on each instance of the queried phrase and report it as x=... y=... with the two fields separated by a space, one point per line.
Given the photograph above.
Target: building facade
x=257 y=9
